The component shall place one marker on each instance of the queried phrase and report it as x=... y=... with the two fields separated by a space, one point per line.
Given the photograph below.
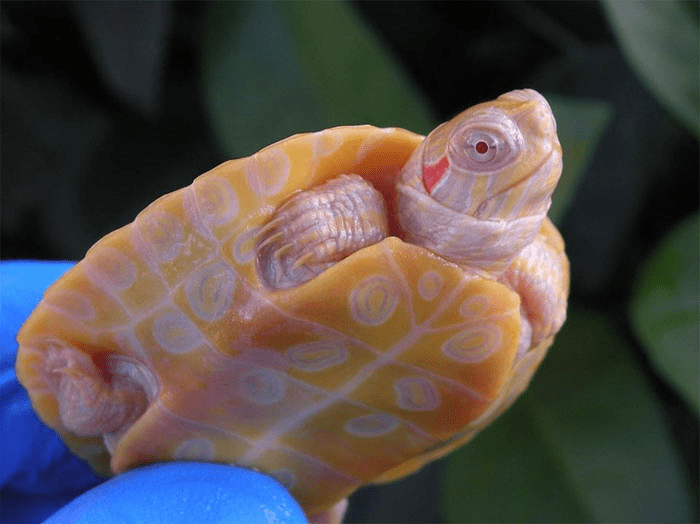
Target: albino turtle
x=338 y=309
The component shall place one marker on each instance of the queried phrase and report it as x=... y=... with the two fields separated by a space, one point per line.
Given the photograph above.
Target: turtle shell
x=387 y=360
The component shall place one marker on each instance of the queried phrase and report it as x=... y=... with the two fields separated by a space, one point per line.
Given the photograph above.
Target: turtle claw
x=303 y=259
x=267 y=240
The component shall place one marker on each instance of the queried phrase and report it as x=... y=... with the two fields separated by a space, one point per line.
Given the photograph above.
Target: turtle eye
x=481 y=147
x=485 y=144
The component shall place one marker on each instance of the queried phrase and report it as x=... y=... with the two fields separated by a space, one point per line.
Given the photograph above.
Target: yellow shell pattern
x=387 y=360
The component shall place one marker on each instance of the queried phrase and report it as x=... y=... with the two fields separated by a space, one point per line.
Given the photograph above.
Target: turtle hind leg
x=317 y=228
x=93 y=402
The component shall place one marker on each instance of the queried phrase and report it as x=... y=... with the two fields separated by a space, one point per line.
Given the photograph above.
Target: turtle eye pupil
x=481 y=147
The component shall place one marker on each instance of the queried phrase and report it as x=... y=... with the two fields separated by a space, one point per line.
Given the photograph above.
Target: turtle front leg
x=319 y=227
x=540 y=275
x=93 y=402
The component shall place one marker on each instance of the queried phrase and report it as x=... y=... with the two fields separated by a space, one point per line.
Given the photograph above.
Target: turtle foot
x=93 y=401
x=319 y=227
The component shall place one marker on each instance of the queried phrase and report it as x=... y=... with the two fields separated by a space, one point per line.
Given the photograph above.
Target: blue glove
x=38 y=475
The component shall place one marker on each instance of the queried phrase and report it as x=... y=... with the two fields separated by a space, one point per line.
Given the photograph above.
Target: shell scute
x=112 y=268
x=420 y=399
x=317 y=356
x=234 y=404
x=374 y=305
x=209 y=291
x=268 y=172
x=147 y=288
x=480 y=301
x=87 y=304
x=484 y=377
x=325 y=143
x=169 y=334
x=373 y=441
x=210 y=297
x=133 y=449
x=329 y=363
x=173 y=237
x=239 y=251
x=217 y=203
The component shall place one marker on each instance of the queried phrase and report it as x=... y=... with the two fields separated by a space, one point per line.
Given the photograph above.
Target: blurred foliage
x=355 y=79
x=580 y=124
x=247 y=51
x=571 y=449
x=106 y=106
x=662 y=41
x=665 y=309
x=108 y=27
x=334 y=71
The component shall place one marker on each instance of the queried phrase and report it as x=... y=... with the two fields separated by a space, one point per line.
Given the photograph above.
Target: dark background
x=79 y=161
x=80 y=157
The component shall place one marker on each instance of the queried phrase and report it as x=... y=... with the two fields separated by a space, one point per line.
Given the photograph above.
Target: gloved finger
x=33 y=459
x=184 y=492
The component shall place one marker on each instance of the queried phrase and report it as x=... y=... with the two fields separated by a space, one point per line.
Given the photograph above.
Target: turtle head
x=497 y=160
x=484 y=178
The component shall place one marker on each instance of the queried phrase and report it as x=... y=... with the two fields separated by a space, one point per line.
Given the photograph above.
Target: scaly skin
x=205 y=330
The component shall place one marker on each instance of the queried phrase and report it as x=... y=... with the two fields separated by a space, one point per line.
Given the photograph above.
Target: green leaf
x=128 y=43
x=356 y=79
x=588 y=442
x=509 y=474
x=665 y=309
x=580 y=124
x=255 y=89
x=275 y=69
x=661 y=41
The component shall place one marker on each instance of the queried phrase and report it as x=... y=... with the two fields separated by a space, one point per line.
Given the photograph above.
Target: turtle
x=336 y=310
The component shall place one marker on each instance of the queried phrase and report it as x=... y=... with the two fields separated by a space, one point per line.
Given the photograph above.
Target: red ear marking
x=433 y=174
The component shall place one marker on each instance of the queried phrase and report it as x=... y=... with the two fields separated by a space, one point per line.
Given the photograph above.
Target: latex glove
x=38 y=475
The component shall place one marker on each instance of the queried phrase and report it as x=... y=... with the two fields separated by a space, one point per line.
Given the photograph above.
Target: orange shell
x=387 y=360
